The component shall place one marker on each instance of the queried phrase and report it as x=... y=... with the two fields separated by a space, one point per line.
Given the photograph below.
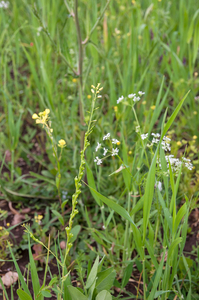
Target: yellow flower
x=42 y=118
x=130 y=152
x=195 y=137
x=88 y=96
x=1 y=228
x=179 y=143
x=118 y=143
x=153 y=107
x=8 y=224
x=195 y=112
x=74 y=80
x=40 y=217
x=115 y=108
x=144 y=102
x=35 y=116
x=61 y=143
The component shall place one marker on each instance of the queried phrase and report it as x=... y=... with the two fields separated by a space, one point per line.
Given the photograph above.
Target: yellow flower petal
x=35 y=116
x=61 y=143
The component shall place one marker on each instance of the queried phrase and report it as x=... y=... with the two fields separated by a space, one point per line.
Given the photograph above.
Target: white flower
x=166 y=139
x=98 y=146
x=98 y=160
x=156 y=135
x=105 y=151
x=131 y=95
x=155 y=141
x=115 y=151
x=144 y=136
x=39 y=29
x=115 y=141
x=4 y=4
x=140 y=93
x=106 y=137
x=159 y=185
x=136 y=99
x=166 y=146
x=120 y=99
x=137 y=128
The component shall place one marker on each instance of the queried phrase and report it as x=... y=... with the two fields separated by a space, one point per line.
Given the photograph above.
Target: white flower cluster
x=156 y=138
x=4 y=4
x=39 y=29
x=132 y=96
x=174 y=162
x=113 y=151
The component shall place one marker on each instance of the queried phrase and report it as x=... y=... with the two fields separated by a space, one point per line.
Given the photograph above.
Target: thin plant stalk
x=95 y=91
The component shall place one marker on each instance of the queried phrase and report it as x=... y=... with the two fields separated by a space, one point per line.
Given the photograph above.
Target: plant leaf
x=76 y=294
x=104 y=295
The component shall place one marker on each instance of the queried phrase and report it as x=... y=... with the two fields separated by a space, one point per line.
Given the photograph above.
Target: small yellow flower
x=35 y=116
x=1 y=228
x=74 y=80
x=179 y=143
x=130 y=152
x=115 y=108
x=118 y=143
x=195 y=112
x=144 y=102
x=40 y=217
x=8 y=224
x=42 y=118
x=61 y=143
x=153 y=107
x=195 y=137
x=89 y=96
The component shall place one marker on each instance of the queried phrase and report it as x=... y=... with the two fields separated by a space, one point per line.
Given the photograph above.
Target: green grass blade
x=34 y=274
x=173 y=116
x=21 y=278
x=23 y=295
x=123 y=213
x=157 y=278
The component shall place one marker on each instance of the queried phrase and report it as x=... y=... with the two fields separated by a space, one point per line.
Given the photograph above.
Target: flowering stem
x=78 y=178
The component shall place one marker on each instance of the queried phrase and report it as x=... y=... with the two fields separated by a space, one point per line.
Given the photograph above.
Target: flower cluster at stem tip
x=132 y=96
x=112 y=152
x=43 y=118
x=175 y=163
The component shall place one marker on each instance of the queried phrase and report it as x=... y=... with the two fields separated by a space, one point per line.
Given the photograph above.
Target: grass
x=50 y=59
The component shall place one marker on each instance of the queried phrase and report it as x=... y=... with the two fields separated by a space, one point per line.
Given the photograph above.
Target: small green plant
x=98 y=282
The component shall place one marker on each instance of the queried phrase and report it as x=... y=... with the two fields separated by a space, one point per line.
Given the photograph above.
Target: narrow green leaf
x=23 y=295
x=75 y=231
x=173 y=116
x=123 y=213
x=57 y=214
x=182 y=211
x=104 y=295
x=157 y=278
x=3 y=288
x=46 y=294
x=158 y=293
x=40 y=177
x=21 y=278
x=105 y=280
x=34 y=274
x=93 y=274
x=127 y=274
x=91 y=183
x=76 y=294
x=172 y=247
